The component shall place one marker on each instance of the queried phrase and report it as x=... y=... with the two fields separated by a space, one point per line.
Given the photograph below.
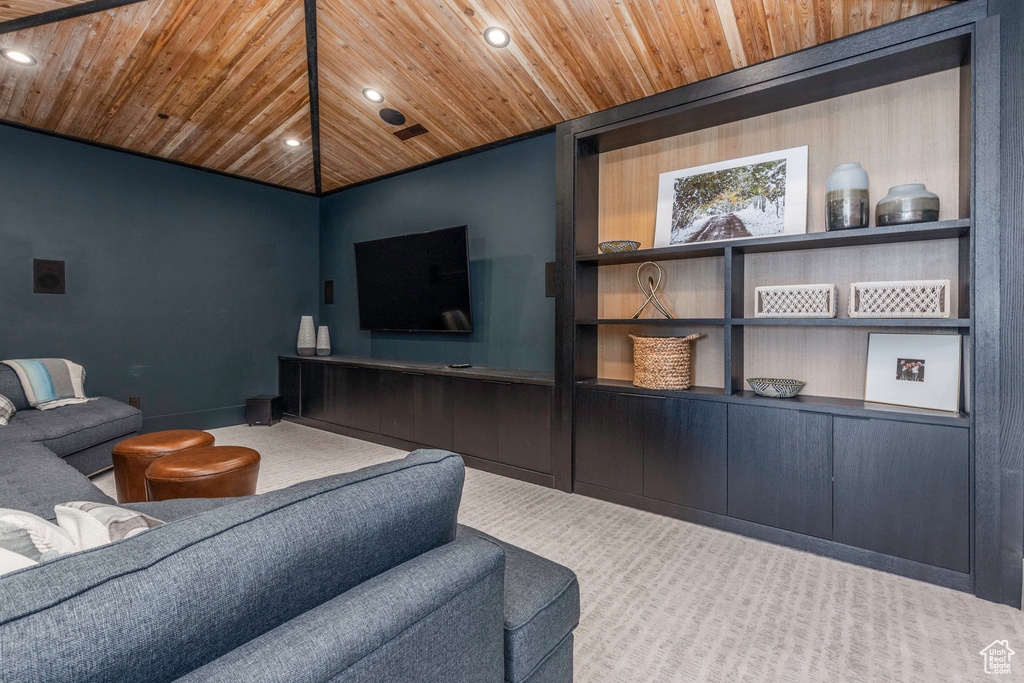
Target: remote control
x=460 y=366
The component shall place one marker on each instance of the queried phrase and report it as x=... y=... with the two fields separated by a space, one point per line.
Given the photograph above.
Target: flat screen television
x=415 y=283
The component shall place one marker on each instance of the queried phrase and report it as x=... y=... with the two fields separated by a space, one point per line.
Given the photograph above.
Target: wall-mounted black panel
x=289 y=385
x=685 y=454
x=903 y=489
x=314 y=399
x=524 y=426
x=434 y=411
x=609 y=440
x=398 y=405
x=364 y=396
x=475 y=418
x=780 y=468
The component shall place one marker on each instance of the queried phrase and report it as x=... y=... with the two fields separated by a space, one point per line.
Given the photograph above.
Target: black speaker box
x=47 y=277
x=264 y=410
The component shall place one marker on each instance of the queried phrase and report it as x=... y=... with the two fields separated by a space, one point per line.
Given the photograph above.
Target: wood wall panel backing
x=231 y=77
x=690 y=289
x=16 y=9
x=615 y=351
x=937 y=260
x=567 y=59
x=901 y=133
x=831 y=360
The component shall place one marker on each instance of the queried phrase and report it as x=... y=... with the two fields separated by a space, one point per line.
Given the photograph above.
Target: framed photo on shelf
x=754 y=196
x=914 y=370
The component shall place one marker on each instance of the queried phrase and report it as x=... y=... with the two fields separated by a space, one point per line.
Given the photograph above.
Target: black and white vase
x=306 y=344
x=323 y=341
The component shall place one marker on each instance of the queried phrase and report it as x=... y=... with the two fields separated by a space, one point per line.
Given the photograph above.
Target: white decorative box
x=900 y=299
x=795 y=301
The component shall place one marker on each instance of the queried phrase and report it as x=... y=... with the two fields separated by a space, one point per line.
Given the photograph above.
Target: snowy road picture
x=750 y=197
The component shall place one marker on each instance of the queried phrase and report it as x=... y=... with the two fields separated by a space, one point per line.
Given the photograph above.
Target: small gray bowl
x=775 y=388
x=616 y=246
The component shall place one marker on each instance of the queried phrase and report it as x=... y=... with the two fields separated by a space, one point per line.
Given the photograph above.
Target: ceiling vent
x=411 y=132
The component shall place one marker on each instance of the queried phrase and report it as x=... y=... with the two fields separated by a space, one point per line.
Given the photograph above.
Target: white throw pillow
x=90 y=525
x=32 y=536
x=11 y=561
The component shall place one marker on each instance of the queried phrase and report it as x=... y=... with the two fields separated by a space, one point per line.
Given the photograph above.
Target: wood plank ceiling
x=231 y=75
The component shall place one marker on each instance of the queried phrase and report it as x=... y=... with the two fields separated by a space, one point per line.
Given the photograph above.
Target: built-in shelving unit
x=825 y=471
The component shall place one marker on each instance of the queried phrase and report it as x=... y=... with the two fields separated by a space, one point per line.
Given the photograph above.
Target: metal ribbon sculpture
x=652 y=293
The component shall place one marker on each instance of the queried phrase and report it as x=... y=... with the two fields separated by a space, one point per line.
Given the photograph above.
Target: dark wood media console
x=499 y=420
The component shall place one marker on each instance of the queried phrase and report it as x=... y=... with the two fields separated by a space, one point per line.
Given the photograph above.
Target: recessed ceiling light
x=292 y=143
x=497 y=37
x=373 y=95
x=17 y=56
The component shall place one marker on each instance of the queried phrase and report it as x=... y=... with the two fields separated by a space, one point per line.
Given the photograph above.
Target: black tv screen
x=415 y=283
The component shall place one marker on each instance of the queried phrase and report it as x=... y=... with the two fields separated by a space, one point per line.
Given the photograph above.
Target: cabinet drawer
x=903 y=489
x=609 y=440
x=780 y=468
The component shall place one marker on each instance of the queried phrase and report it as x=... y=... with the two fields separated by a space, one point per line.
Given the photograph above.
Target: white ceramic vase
x=323 y=341
x=846 y=198
x=306 y=344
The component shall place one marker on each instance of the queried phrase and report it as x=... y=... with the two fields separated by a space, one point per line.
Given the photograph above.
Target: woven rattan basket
x=662 y=362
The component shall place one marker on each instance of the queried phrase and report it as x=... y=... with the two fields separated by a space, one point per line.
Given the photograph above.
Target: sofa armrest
x=437 y=617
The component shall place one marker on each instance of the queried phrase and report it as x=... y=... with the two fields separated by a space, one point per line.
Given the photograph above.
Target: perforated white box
x=795 y=301
x=900 y=299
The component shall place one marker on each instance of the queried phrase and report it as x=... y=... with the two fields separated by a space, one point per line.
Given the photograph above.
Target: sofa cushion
x=180 y=508
x=33 y=479
x=74 y=428
x=542 y=607
x=168 y=601
x=10 y=386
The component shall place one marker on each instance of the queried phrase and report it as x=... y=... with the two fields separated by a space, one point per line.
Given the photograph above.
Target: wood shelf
x=652 y=321
x=917 y=232
x=953 y=323
x=821 y=404
x=942 y=323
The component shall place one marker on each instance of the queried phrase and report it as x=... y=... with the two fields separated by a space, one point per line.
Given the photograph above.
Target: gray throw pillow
x=7 y=410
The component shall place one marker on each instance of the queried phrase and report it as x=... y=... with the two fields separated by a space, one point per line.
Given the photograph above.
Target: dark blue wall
x=507 y=198
x=182 y=286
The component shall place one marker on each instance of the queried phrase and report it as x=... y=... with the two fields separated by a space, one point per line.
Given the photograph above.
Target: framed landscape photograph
x=755 y=196
x=914 y=370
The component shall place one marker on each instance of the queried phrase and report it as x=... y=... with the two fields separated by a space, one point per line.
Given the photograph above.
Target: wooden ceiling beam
x=63 y=13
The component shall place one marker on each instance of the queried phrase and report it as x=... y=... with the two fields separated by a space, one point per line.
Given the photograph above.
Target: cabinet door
x=475 y=418
x=685 y=453
x=289 y=385
x=336 y=389
x=364 y=399
x=609 y=440
x=434 y=411
x=780 y=468
x=398 y=405
x=903 y=489
x=314 y=404
x=524 y=426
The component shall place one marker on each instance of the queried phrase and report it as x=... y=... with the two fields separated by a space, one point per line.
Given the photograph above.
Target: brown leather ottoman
x=212 y=472
x=133 y=456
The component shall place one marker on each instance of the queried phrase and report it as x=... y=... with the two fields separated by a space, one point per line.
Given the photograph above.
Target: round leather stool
x=133 y=456
x=212 y=472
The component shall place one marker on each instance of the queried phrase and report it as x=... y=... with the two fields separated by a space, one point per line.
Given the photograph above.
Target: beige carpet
x=665 y=600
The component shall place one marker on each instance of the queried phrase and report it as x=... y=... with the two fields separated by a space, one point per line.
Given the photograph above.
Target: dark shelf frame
x=970 y=35
x=917 y=232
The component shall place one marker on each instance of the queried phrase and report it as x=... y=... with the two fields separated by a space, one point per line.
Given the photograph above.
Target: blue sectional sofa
x=83 y=435
x=363 y=577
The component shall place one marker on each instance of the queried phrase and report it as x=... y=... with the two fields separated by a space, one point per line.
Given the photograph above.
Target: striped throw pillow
x=7 y=410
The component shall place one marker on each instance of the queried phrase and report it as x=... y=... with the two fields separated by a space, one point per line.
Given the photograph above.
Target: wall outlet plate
x=135 y=402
